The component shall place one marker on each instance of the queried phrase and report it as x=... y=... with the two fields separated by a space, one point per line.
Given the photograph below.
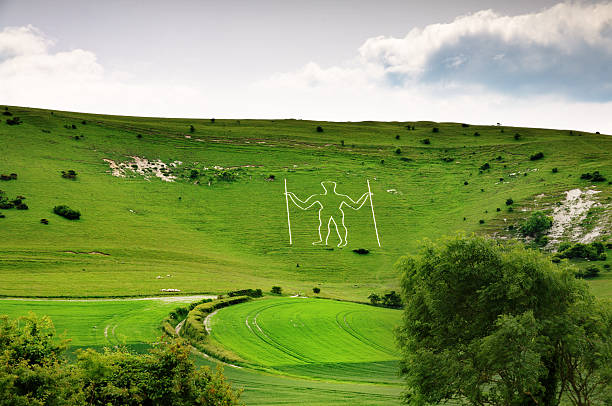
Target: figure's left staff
x=288 y=217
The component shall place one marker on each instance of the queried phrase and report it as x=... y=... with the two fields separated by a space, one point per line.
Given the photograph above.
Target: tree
x=535 y=225
x=486 y=324
x=374 y=299
x=316 y=290
x=277 y=290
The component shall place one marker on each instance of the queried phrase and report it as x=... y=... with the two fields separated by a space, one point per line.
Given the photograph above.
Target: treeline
x=34 y=370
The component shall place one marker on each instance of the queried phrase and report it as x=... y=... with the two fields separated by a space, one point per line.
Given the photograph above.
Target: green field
x=313 y=337
x=214 y=230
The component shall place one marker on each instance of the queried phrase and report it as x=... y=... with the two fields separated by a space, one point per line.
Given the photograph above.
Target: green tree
x=487 y=324
x=536 y=224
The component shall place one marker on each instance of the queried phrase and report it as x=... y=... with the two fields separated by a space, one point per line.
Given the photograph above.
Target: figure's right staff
x=373 y=216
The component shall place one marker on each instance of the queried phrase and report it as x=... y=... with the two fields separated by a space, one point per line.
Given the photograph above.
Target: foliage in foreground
x=34 y=371
x=491 y=324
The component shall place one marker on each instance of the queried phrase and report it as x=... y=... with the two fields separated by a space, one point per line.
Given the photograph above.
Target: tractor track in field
x=186 y=299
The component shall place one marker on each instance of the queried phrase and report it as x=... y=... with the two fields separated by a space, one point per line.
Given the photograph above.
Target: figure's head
x=329 y=186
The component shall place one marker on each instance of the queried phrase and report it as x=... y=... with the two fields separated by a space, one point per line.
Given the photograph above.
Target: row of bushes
x=17 y=203
x=391 y=300
x=594 y=251
x=194 y=329
x=173 y=318
x=246 y=292
x=67 y=212
x=11 y=176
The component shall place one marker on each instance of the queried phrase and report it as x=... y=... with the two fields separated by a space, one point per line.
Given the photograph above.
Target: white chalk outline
x=361 y=201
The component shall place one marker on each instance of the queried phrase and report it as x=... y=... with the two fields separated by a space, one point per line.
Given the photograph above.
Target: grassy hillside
x=212 y=237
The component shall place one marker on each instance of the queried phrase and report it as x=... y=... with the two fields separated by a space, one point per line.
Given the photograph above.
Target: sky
x=535 y=63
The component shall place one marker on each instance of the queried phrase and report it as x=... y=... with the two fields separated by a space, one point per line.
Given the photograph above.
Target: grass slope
x=232 y=235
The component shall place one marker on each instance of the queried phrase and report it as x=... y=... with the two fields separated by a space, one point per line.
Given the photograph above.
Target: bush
x=319 y=129
x=537 y=224
x=485 y=166
x=555 y=170
x=517 y=136
x=537 y=156
x=476 y=134
x=246 y=292
x=398 y=151
x=590 y=271
x=277 y=290
x=481 y=221
x=397 y=137
x=435 y=130
x=509 y=202
x=401 y=159
x=593 y=251
x=191 y=128
x=13 y=121
x=361 y=251
x=595 y=176
x=465 y=125
x=316 y=290
x=70 y=174
x=392 y=300
x=448 y=159
x=426 y=141
x=67 y=212
x=374 y=299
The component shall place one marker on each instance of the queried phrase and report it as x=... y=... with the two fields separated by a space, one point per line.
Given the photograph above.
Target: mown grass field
x=313 y=337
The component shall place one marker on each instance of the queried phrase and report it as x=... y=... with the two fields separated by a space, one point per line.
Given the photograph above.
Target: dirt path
x=207 y=321
x=178 y=327
x=170 y=299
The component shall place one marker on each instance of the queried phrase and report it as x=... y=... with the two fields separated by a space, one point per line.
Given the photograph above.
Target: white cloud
x=33 y=75
x=564 y=50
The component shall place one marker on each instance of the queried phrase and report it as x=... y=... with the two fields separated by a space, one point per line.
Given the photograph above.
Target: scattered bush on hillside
x=509 y=202
x=426 y=141
x=590 y=271
x=594 y=177
x=405 y=159
x=536 y=156
x=69 y=174
x=476 y=134
x=535 y=225
x=374 y=299
x=12 y=176
x=517 y=136
x=139 y=136
x=191 y=128
x=594 y=251
x=361 y=251
x=398 y=151
x=44 y=221
x=342 y=142
x=2 y=216
x=481 y=221
x=435 y=130
x=14 y=121
x=67 y=212
x=485 y=166
x=448 y=159
x=397 y=137
x=212 y=120
x=7 y=113
x=277 y=290
x=319 y=129
x=316 y=290
x=194 y=174
x=465 y=125
x=246 y=292
x=555 y=170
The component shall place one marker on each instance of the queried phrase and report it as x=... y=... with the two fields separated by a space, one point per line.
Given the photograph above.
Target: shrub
x=374 y=299
x=194 y=174
x=536 y=156
x=465 y=125
x=435 y=130
x=277 y=290
x=448 y=159
x=485 y=166
x=590 y=271
x=398 y=151
x=361 y=251
x=67 y=212
x=319 y=129
x=191 y=128
x=212 y=120
x=509 y=202
x=13 y=121
x=595 y=176
x=401 y=159
x=21 y=206
x=70 y=174
x=397 y=137
x=498 y=209
x=44 y=221
x=139 y=136
x=481 y=221
x=246 y=292
x=535 y=225
x=465 y=183
x=7 y=113
x=593 y=251
x=316 y=290
x=392 y=300
x=476 y=134
x=517 y=136
x=342 y=142
x=426 y=141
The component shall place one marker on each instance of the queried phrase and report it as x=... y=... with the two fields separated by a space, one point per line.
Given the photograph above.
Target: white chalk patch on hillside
x=572 y=211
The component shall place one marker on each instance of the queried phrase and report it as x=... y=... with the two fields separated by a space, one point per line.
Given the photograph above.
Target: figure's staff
x=373 y=216
x=288 y=217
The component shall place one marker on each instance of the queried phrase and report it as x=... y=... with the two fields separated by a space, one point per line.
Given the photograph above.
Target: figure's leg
x=328 y=229
x=345 y=232
x=320 y=237
x=341 y=243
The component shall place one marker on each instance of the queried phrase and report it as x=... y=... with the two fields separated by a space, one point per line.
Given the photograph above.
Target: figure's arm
x=299 y=203
x=359 y=203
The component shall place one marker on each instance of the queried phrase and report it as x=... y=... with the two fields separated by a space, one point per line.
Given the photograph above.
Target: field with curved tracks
x=313 y=337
